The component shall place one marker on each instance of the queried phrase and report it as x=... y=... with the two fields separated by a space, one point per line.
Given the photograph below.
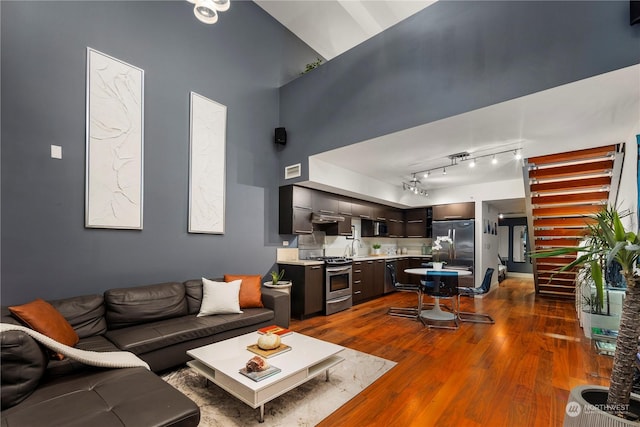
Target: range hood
x=322 y=218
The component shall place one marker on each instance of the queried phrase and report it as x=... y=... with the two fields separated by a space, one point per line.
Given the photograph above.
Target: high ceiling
x=593 y=112
x=332 y=27
x=597 y=111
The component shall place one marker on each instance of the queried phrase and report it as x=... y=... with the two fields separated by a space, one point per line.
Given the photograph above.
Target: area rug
x=305 y=405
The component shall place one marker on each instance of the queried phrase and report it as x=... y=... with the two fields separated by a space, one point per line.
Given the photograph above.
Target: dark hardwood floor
x=516 y=372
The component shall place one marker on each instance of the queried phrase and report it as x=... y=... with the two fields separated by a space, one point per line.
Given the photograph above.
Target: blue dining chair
x=411 y=312
x=468 y=316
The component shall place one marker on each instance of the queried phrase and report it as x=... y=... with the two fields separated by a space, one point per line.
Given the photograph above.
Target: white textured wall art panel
x=114 y=163
x=207 y=166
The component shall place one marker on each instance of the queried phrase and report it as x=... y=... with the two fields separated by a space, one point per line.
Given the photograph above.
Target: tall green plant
x=606 y=241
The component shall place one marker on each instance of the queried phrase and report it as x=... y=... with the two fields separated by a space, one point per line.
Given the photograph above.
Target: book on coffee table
x=282 y=348
x=260 y=375
x=275 y=329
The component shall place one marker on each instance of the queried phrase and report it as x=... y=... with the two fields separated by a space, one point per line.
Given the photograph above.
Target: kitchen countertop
x=398 y=256
x=306 y=262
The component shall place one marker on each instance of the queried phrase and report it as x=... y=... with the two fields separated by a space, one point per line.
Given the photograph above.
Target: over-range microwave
x=380 y=228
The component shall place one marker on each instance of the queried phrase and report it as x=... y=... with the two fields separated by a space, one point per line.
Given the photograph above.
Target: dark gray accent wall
x=450 y=58
x=240 y=62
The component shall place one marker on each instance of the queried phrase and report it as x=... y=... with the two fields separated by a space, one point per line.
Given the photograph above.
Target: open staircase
x=563 y=189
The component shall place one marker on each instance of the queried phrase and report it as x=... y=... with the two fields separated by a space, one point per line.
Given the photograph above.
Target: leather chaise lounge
x=158 y=323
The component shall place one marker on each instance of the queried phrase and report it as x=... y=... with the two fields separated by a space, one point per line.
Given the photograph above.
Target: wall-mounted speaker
x=280 y=136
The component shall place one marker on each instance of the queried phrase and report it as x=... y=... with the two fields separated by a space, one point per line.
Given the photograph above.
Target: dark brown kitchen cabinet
x=295 y=210
x=368 y=279
x=454 y=211
x=395 y=223
x=307 y=288
x=416 y=222
x=361 y=209
x=379 y=213
x=325 y=203
x=402 y=264
x=344 y=207
x=357 y=285
x=377 y=288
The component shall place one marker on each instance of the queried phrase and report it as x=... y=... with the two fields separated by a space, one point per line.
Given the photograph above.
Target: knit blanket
x=106 y=359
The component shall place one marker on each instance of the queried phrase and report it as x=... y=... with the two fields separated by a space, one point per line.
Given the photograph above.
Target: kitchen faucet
x=353 y=250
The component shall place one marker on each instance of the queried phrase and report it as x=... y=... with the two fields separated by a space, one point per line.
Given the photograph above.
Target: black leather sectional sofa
x=158 y=323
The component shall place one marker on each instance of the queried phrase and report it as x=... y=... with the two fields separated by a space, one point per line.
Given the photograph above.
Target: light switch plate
x=56 y=152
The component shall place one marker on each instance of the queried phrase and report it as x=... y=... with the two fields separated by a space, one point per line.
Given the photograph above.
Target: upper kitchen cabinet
x=416 y=222
x=361 y=209
x=330 y=204
x=395 y=223
x=325 y=203
x=454 y=211
x=344 y=207
x=379 y=213
x=295 y=210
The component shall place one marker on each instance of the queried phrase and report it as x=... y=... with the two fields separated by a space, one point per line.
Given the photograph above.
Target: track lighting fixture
x=459 y=158
x=412 y=186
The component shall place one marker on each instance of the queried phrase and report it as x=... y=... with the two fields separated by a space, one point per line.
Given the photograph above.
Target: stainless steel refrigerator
x=461 y=253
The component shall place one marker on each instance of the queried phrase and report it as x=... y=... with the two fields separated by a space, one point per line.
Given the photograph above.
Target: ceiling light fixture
x=412 y=186
x=459 y=158
x=207 y=10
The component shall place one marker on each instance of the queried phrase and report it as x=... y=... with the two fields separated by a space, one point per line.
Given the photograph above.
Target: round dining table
x=436 y=313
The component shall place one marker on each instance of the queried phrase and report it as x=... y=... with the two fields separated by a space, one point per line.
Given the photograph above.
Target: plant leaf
x=596 y=274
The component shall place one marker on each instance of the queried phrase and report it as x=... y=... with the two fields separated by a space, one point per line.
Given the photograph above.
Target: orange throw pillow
x=41 y=316
x=250 y=292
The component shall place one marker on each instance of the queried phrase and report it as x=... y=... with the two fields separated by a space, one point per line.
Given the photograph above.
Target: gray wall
x=451 y=58
x=240 y=62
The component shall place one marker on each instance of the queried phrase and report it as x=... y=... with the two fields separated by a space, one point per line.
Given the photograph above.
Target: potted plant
x=277 y=282
x=376 y=248
x=436 y=248
x=608 y=241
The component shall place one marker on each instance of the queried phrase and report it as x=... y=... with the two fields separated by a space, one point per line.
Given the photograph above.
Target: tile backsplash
x=340 y=245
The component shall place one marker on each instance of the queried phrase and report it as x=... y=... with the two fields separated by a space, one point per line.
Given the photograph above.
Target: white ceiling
x=332 y=27
x=601 y=110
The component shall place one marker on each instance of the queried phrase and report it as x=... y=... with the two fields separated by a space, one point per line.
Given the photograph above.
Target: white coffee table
x=221 y=361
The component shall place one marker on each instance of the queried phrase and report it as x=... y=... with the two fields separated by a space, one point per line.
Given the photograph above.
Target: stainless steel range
x=338 y=284
x=337 y=272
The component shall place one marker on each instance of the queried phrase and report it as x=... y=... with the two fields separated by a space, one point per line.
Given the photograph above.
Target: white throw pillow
x=220 y=297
